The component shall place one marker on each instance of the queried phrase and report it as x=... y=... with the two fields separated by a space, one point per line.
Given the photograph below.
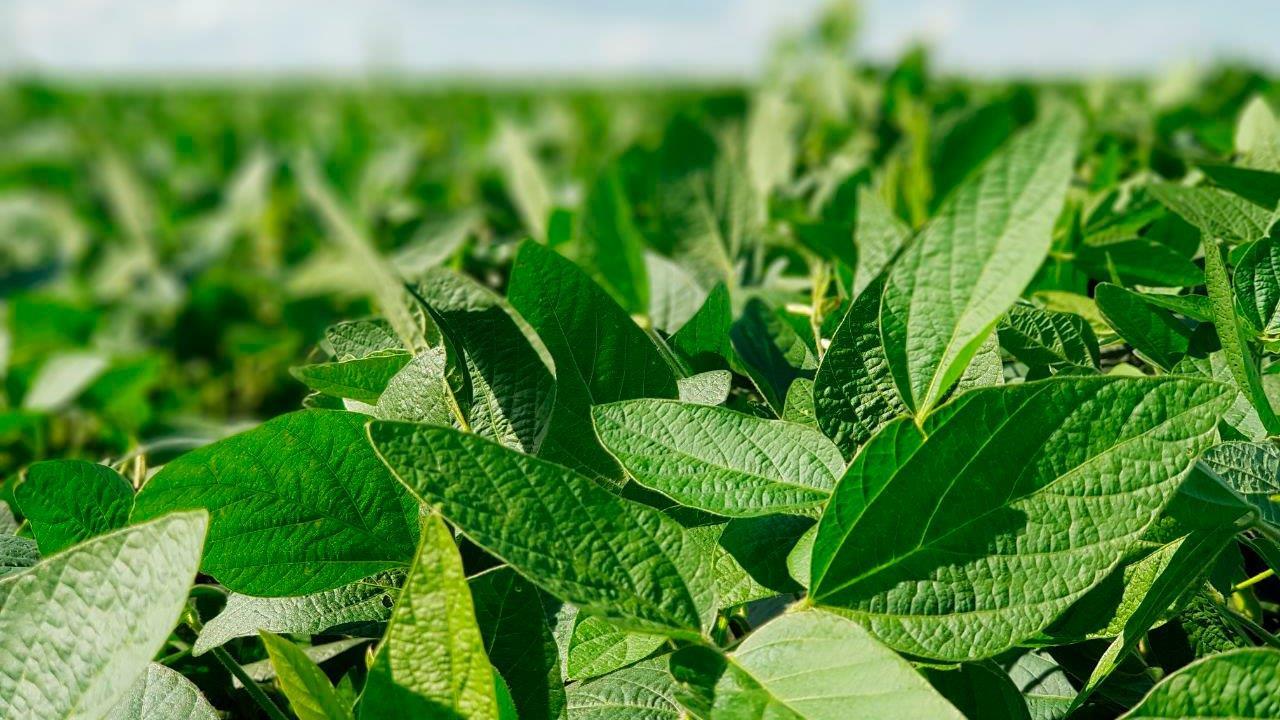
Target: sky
x=713 y=38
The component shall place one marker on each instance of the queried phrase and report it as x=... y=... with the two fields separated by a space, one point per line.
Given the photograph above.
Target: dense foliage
x=858 y=394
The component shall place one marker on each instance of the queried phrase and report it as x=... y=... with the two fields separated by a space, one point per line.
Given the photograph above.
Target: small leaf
x=361 y=379
x=773 y=354
x=1044 y=337
x=310 y=693
x=645 y=691
x=703 y=341
x=1218 y=214
x=1154 y=333
x=597 y=647
x=1235 y=346
x=708 y=388
x=718 y=460
x=69 y=501
x=1252 y=470
x=1257 y=287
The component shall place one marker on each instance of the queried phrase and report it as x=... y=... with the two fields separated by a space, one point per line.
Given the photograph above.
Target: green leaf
x=61 y=379
x=810 y=665
x=610 y=244
x=1240 y=684
x=674 y=294
x=1260 y=187
x=879 y=236
x=979 y=690
x=1044 y=685
x=17 y=553
x=432 y=661
x=345 y=609
x=524 y=179
x=162 y=694
x=945 y=293
x=310 y=694
x=719 y=460
x=1154 y=333
x=1257 y=287
x=704 y=341
x=1218 y=214
x=1052 y=481
x=361 y=379
x=773 y=354
x=798 y=407
x=355 y=339
x=297 y=505
x=419 y=392
x=511 y=373
x=645 y=691
x=1044 y=337
x=78 y=629
x=629 y=562
x=1185 y=570
x=600 y=354
x=985 y=369
x=598 y=647
x=515 y=620
x=1235 y=345
x=69 y=501
x=1252 y=470
x=1139 y=261
x=1257 y=137
x=853 y=391
x=708 y=388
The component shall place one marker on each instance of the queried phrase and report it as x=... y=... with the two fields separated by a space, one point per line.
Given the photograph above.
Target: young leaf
x=628 y=562
x=17 y=553
x=69 y=501
x=1191 y=561
x=310 y=693
x=810 y=665
x=361 y=379
x=598 y=647
x=853 y=391
x=1252 y=470
x=1235 y=345
x=432 y=660
x=945 y=293
x=708 y=388
x=773 y=354
x=878 y=235
x=297 y=505
x=525 y=179
x=703 y=341
x=511 y=373
x=1218 y=214
x=123 y=590
x=610 y=244
x=718 y=460
x=419 y=392
x=1061 y=482
x=344 y=609
x=1257 y=287
x=1235 y=684
x=645 y=691
x=798 y=407
x=162 y=694
x=600 y=354
x=1154 y=333
x=1044 y=337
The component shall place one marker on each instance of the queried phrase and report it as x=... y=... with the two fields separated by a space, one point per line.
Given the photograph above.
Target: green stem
x=192 y=618
x=1253 y=580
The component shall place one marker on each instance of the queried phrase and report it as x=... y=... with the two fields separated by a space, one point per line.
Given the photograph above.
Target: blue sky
x=605 y=37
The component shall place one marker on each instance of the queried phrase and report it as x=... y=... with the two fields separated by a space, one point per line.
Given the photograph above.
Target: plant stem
x=192 y=619
x=1253 y=580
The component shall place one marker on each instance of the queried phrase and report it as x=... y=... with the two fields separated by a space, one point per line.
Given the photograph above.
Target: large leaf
x=78 y=629
x=69 y=501
x=619 y=559
x=310 y=693
x=162 y=694
x=1240 y=684
x=943 y=296
x=1052 y=482
x=343 y=609
x=810 y=665
x=297 y=505
x=600 y=354
x=432 y=661
x=515 y=620
x=718 y=460
x=853 y=391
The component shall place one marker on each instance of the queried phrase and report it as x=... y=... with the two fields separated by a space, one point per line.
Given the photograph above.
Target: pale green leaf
x=1235 y=685
x=311 y=695
x=162 y=694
